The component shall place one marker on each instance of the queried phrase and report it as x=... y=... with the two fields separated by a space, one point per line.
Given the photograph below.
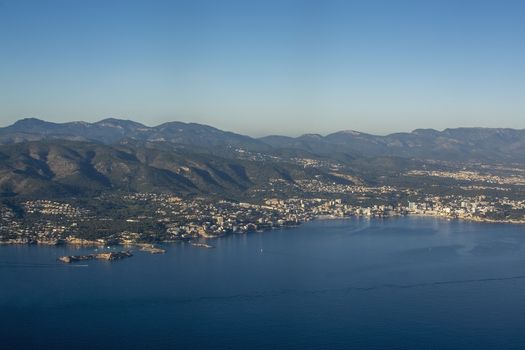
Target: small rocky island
x=150 y=248
x=201 y=245
x=109 y=256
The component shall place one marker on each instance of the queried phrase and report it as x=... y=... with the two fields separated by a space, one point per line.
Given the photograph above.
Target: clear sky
x=266 y=67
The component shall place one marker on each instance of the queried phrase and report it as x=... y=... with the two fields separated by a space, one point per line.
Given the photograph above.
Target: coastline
x=152 y=249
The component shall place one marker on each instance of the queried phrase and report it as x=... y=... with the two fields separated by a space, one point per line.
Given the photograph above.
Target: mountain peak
x=425 y=132
x=311 y=136
x=119 y=123
x=350 y=132
x=30 y=121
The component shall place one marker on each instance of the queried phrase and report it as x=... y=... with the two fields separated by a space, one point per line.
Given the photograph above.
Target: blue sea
x=401 y=283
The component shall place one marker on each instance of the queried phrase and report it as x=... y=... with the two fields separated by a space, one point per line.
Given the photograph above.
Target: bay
x=400 y=283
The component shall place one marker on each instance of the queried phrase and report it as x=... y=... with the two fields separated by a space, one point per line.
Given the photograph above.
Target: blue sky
x=266 y=67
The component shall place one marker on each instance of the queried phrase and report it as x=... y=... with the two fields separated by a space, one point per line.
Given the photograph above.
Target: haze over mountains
x=471 y=144
x=112 y=130
x=42 y=158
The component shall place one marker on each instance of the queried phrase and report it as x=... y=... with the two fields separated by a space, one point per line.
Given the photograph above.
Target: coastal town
x=148 y=218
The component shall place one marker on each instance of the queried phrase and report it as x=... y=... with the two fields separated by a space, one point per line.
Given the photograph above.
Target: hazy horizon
x=266 y=67
x=254 y=135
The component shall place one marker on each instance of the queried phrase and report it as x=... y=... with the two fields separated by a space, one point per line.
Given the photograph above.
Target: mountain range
x=465 y=144
x=40 y=158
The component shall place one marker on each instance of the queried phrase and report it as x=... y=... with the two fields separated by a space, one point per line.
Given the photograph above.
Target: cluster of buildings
x=316 y=163
x=478 y=208
x=200 y=217
x=317 y=186
x=151 y=217
x=174 y=218
x=48 y=207
x=473 y=176
x=18 y=231
x=304 y=162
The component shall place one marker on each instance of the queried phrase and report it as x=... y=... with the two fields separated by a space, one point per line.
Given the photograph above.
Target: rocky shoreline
x=108 y=256
x=150 y=248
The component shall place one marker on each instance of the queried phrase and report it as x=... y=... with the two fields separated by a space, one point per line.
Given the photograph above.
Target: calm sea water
x=408 y=283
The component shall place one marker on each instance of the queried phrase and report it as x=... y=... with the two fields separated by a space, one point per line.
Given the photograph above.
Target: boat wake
x=15 y=265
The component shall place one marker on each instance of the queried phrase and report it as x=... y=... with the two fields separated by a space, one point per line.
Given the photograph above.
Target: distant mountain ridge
x=39 y=158
x=111 y=131
x=460 y=144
